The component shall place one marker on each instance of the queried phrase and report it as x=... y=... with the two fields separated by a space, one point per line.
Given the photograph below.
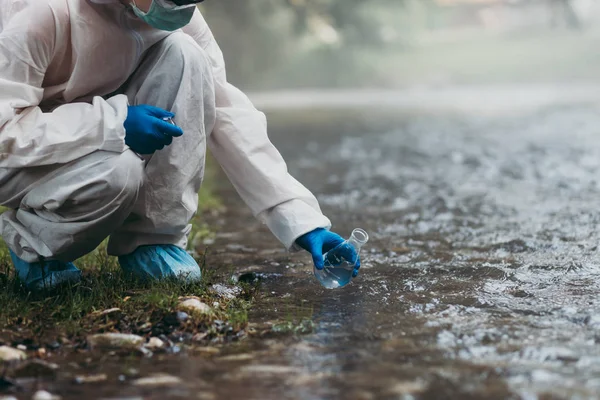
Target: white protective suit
x=68 y=70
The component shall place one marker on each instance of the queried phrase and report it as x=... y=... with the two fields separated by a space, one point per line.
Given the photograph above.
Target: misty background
x=288 y=44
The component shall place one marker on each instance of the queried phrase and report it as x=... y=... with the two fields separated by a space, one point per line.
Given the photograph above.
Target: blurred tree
x=260 y=35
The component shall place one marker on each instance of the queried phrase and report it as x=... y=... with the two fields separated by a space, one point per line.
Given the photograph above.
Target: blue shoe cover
x=158 y=262
x=45 y=275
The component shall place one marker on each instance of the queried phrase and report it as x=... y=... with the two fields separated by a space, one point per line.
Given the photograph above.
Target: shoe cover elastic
x=158 y=262
x=45 y=275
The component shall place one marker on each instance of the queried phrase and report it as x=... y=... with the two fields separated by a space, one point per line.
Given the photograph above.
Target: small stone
x=176 y=319
x=80 y=379
x=8 y=398
x=43 y=395
x=226 y=292
x=194 y=306
x=41 y=352
x=198 y=337
x=158 y=380
x=64 y=341
x=237 y=357
x=10 y=355
x=254 y=370
x=111 y=312
x=208 y=351
x=36 y=369
x=115 y=341
x=155 y=344
x=239 y=248
x=407 y=387
x=53 y=345
x=222 y=326
x=309 y=379
x=22 y=347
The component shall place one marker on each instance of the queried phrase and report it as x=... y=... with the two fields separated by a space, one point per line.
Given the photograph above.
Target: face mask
x=164 y=16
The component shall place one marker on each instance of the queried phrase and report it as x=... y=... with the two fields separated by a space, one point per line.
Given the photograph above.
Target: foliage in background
x=263 y=39
x=273 y=44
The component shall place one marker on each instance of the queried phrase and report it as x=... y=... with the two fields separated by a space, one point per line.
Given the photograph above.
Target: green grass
x=72 y=311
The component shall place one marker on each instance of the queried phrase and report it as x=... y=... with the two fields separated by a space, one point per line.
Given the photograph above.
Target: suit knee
x=125 y=177
x=183 y=53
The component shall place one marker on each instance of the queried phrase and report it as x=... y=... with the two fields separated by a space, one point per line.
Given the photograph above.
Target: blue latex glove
x=320 y=241
x=146 y=129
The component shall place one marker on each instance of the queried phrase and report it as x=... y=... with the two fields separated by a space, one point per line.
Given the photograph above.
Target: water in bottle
x=341 y=261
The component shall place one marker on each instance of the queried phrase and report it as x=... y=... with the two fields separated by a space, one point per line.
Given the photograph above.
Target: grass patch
x=72 y=312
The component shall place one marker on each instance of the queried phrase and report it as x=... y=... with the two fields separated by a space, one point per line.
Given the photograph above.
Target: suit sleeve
x=240 y=144
x=30 y=136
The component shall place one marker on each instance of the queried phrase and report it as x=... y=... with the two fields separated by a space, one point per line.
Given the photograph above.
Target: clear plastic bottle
x=338 y=270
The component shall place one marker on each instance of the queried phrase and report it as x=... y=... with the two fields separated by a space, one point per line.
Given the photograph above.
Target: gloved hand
x=320 y=241
x=146 y=130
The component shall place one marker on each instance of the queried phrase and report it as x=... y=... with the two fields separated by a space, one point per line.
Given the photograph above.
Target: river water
x=481 y=279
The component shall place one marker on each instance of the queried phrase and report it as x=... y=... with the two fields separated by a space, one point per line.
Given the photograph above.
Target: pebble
x=198 y=337
x=194 y=306
x=10 y=355
x=53 y=345
x=176 y=318
x=407 y=387
x=237 y=357
x=208 y=351
x=158 y=380
x=253 y=370
x=22 y=347
x=115 y=341
x=303 y=379
x=43 y=395
x=113 y=312
x=80 y=379
x=240 y=248
x=155 y=344
x=226 y=292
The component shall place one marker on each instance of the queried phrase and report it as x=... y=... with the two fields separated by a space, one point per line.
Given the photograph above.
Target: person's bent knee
x=125 y=177
x=183 y=50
